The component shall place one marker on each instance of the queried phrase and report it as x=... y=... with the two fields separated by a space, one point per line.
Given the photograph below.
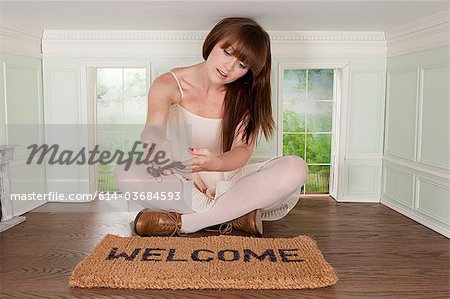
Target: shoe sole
x=137 y=217
x=258 y=222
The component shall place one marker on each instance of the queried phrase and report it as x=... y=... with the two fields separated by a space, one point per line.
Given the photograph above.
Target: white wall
x=416 y=162
x=67 y=53
x=21 y=102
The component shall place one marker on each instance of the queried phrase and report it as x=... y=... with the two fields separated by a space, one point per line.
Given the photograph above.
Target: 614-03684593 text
x=163 y=195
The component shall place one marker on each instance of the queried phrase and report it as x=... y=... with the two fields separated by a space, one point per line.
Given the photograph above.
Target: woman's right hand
x=154 y=145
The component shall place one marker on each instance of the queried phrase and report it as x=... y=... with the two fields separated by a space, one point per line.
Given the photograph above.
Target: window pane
x=110 y=141
x=134 y=84
x=294 y=144
x=294 y=86
x=320 y=85
x=318 y=148
x=320 y=116
x=109 y=77
x=135 y=104
x=134 y=112
x=318 y=179
x=294 y=100
x=109 y=85
x=294 y=119
x=109 y=95
x=106 y=182
x=109 y=112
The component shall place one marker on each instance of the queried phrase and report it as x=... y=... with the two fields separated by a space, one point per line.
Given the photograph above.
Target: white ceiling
x=202 y=15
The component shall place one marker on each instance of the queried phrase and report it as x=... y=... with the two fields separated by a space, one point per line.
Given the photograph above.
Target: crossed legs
x=271 y=185
x=268 y=187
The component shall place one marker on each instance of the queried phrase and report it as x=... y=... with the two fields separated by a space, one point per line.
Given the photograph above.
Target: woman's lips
x=222 y=74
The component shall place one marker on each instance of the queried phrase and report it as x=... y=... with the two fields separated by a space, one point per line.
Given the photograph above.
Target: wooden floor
x=376 y=252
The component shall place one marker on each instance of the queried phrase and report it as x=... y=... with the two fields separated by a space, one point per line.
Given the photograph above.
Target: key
x=157 y=172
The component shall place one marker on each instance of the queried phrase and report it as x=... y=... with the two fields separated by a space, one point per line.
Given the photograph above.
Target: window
x=121 y=109
x=307 y=103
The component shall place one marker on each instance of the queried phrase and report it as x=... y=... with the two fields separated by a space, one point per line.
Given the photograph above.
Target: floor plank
x=376 y=252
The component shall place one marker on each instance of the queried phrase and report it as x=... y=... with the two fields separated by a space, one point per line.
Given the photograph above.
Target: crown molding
x=121 y=35
x=201 y=35
x=88 y=43
x=424 y=34
x=418 y=25
x=20 y=39
x=330 y=36
x=20 y=29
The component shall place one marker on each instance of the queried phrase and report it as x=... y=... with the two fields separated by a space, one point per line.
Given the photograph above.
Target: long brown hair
x=247 y=99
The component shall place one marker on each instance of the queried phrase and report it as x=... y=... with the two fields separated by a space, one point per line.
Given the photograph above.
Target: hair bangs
x=246 y=49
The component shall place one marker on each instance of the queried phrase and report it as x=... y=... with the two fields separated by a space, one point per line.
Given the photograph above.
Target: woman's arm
x=239 y=154
x=235 y=158
x=159 y=101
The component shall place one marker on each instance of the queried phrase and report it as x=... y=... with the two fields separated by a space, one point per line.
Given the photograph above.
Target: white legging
x=266 y=188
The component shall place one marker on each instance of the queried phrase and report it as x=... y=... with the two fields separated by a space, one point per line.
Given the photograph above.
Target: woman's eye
x=227 y=53
x=242 y=66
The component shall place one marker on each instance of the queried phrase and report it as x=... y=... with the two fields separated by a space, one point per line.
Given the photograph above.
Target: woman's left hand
x=202 y=160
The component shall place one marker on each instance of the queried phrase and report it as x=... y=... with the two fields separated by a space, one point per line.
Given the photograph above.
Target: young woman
x=223 y=104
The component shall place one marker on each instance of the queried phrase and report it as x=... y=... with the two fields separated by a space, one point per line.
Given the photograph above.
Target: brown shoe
x=250 y=223
x=152 y=223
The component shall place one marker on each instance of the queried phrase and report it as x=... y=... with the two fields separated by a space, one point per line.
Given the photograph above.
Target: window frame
x=338 y=127
x=88 y=100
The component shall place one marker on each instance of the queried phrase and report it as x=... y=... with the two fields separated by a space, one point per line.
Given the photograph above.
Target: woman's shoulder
x=165 y=86
x=183 y=74
x=165 y=80
x=172 y=81
x=173 y=78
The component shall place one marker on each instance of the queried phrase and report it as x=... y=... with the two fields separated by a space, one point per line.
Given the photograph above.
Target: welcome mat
x=215 y=262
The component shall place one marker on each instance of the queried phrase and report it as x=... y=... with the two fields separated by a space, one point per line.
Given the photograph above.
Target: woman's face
x=223 y=67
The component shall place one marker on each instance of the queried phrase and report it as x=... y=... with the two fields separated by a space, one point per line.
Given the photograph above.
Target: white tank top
x=205 y=131
x=186 y=129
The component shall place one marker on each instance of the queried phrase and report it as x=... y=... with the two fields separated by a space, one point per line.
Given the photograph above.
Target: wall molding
x=386 y=194
x=20 y=29
x=114 y=43
x=418 y=183
x=414 y=166
x=372 y=170
x=19 y=39
x=424 y=34
x=359 y=199
x=386 y=148
x=421 y=100
x=201 y=35
x=355 y=98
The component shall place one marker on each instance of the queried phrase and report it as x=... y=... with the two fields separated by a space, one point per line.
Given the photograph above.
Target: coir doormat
x=217 y=262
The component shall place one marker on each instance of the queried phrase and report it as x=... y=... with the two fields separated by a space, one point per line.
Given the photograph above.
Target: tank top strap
x=179 y=85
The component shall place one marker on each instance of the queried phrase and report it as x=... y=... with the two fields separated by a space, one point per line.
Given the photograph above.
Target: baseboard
x=410 y=214
x=359 y=200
